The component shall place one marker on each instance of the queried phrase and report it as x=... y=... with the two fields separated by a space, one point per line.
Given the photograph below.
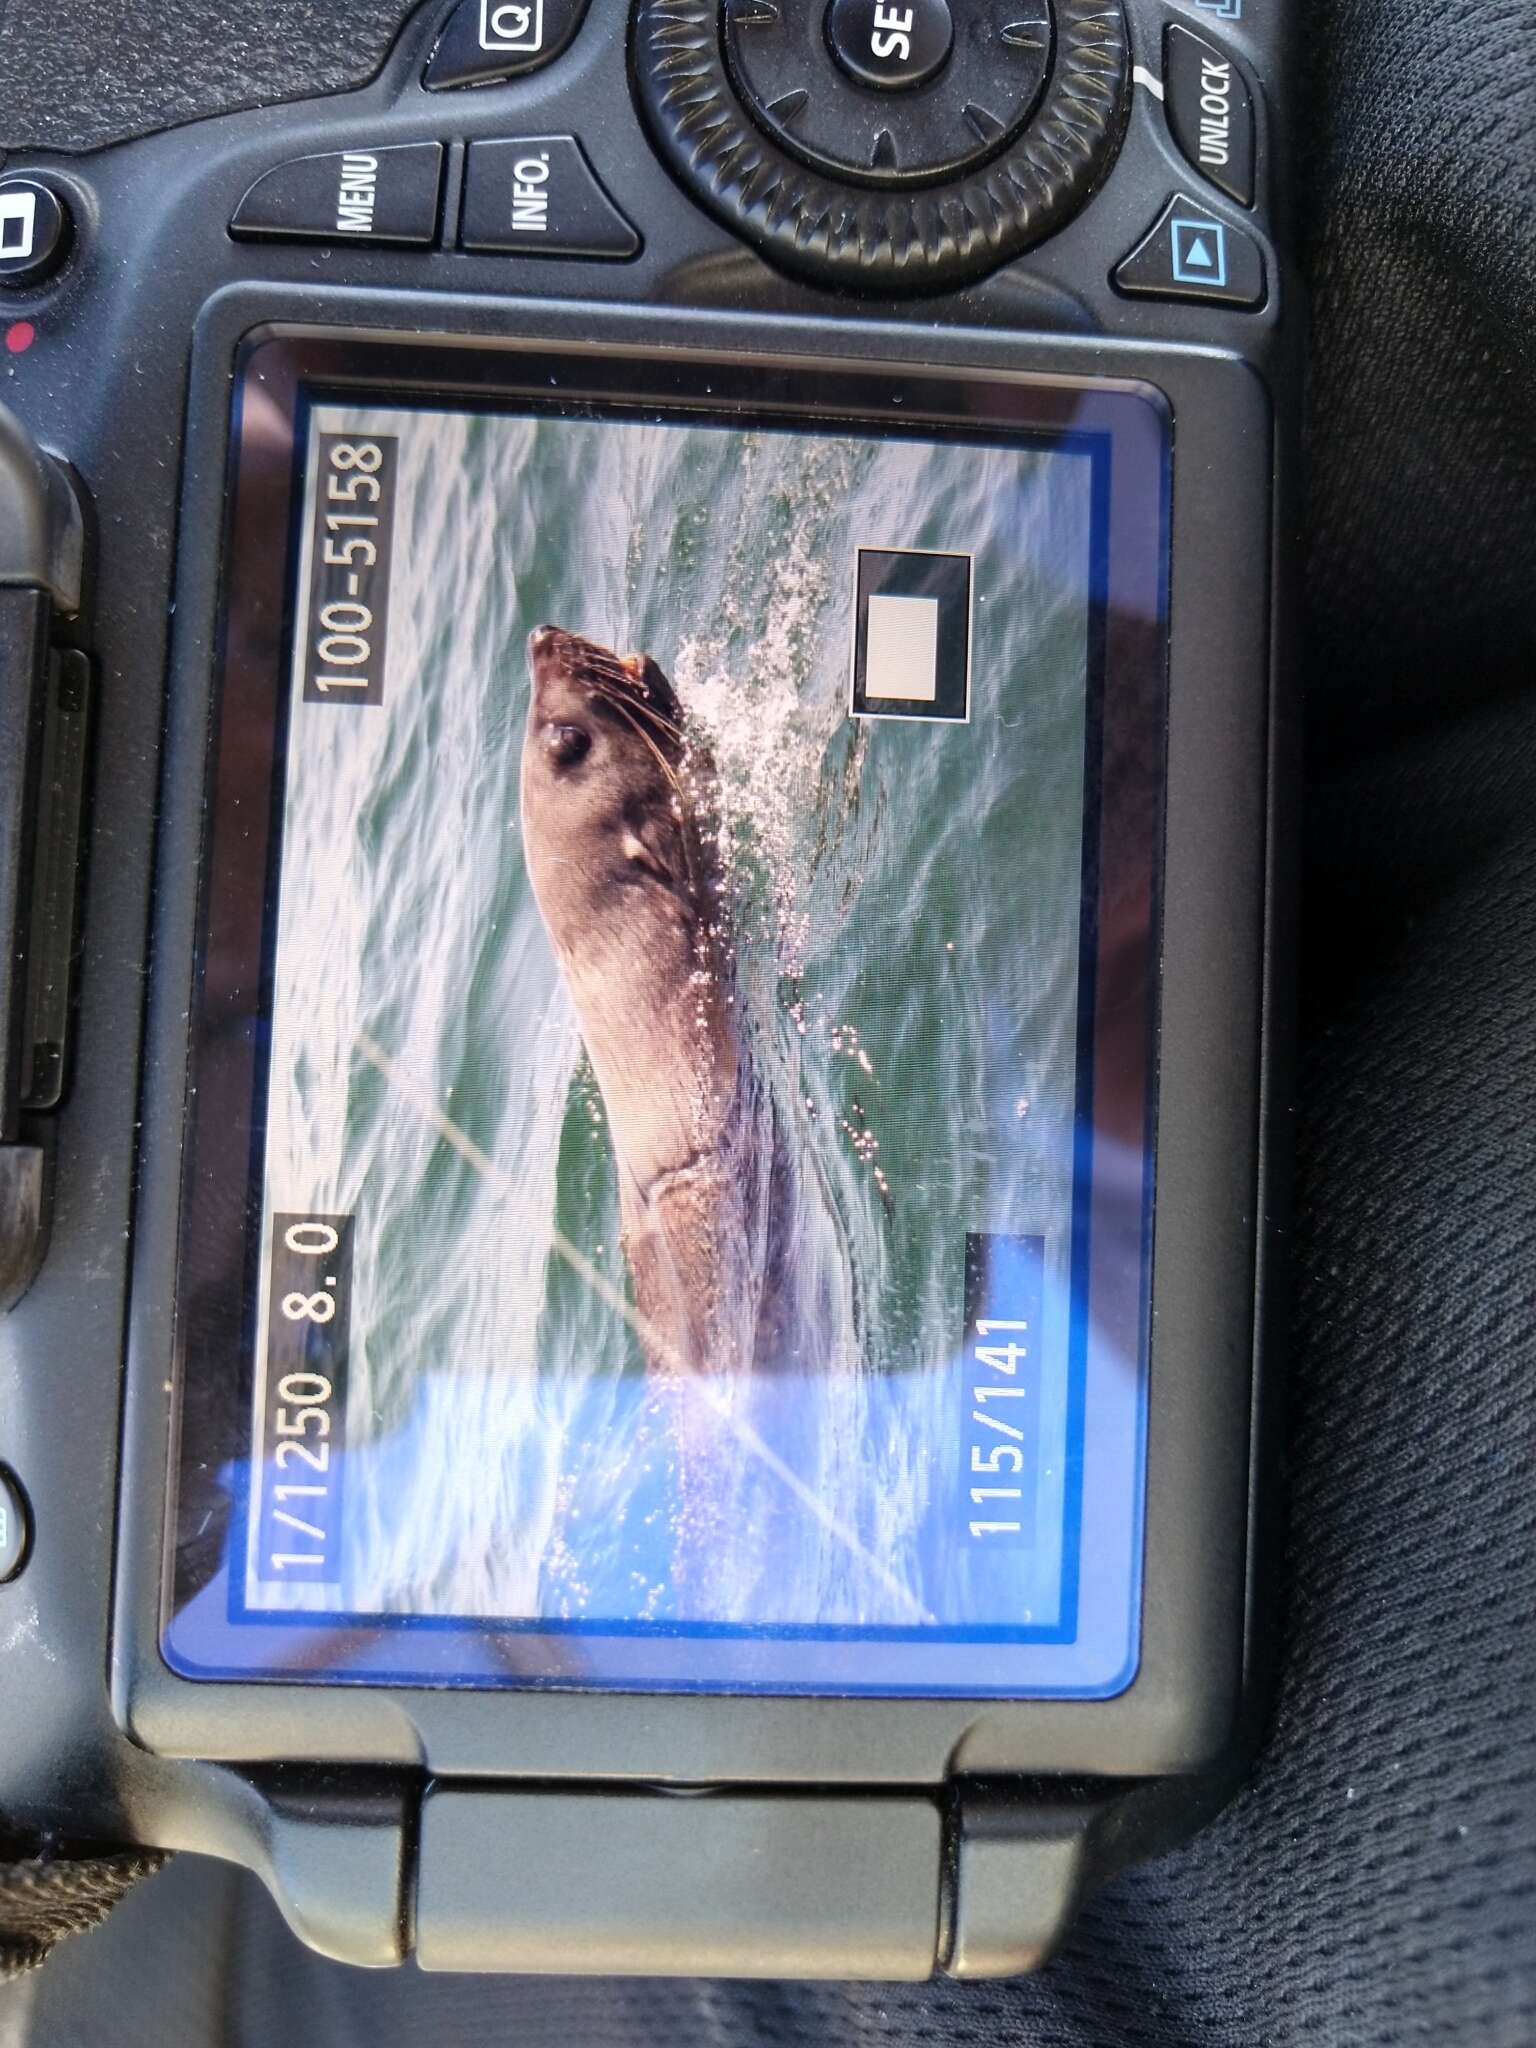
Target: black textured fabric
x=129 y=67
x=1376 y=1884
x=43 y=1899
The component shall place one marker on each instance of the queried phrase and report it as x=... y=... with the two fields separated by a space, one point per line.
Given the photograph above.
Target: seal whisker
x=662 y=762
x=624 y=698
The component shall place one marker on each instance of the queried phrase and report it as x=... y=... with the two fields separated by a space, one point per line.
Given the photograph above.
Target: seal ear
x=654 y=686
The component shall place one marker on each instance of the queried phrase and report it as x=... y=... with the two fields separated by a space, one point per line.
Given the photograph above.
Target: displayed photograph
x=675 y=1070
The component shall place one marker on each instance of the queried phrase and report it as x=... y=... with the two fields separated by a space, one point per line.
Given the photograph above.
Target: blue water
x=905 y=898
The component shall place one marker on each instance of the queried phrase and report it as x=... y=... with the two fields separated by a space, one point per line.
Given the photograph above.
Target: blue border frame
x=266 y=1639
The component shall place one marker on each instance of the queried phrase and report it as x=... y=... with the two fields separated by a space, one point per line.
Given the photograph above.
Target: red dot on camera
x=19 y=336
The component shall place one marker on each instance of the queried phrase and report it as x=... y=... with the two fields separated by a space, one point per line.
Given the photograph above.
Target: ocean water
x=905 y=899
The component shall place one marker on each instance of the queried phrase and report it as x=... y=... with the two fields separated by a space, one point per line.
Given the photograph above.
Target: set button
x=892 y=45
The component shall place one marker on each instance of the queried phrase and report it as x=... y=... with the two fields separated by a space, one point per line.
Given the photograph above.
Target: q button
x=485 y=41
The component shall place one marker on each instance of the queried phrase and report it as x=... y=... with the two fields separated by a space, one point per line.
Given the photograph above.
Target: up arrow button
x=1188 y=253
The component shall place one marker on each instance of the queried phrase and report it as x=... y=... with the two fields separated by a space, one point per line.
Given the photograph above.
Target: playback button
x=15 y=1527
x=1188 y=253
x=34 y=231
x=538 y=196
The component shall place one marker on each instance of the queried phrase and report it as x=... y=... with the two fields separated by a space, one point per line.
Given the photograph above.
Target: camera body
x=542 y=193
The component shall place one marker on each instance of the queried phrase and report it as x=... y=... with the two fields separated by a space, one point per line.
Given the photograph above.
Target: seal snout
x=554 y=653
x=551 y=667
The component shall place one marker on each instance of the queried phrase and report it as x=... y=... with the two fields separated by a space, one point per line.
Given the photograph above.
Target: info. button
x=537 y=195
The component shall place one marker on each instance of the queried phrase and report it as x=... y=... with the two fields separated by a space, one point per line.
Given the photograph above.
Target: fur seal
x=622 y=853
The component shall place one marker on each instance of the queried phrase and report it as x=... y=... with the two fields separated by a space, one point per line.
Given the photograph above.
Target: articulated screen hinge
x=981 y=1880
x=748 y=1884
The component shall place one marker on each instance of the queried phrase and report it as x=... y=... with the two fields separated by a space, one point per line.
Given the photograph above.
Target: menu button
x=358 y=194
x=369 y=195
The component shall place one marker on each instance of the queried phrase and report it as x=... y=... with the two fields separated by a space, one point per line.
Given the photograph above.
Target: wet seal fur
x=622 y=851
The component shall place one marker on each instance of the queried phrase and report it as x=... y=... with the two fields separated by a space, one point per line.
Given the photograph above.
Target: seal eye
x=567 y=744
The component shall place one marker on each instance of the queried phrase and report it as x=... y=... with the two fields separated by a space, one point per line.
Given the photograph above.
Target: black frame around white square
x=951 y=704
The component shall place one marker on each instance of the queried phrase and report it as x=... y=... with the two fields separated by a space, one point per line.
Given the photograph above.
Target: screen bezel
x=1125 y=431
x=1226 y=902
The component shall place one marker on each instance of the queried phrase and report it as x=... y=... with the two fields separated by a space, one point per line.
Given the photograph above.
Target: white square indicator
x=18 y=224
x=901 y=656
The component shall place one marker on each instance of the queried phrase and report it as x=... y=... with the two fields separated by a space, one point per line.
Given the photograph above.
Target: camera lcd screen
x=669 y=1179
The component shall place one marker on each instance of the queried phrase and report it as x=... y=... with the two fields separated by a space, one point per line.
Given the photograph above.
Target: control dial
x=889 y=91
x=886 y=145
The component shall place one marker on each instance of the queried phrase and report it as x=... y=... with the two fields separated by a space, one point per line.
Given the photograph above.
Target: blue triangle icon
x=1197 y=256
